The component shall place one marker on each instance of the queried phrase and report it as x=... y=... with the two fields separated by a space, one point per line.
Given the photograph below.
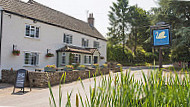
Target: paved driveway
x=40 y=97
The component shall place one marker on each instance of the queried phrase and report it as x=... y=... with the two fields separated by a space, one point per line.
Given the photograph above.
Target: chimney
x=30 y=1
x=91 y=20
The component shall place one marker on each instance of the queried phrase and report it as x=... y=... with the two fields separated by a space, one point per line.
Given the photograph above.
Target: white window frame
x=34 y=29
x=85 y=42
x=63 y=55
x=96 y=43
x=67 y=37
x=88 y=59
x=31 y=55
x=78 y=57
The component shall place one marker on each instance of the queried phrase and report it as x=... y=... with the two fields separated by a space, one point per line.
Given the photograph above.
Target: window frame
x=87 y=59
x=30 y=58
x=78 y=56
x=32 y=32
x=95 y=44
x=85 y=42
x=68 y=37
x=63 y=55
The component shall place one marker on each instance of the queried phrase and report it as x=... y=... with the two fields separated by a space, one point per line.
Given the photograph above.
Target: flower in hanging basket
x=49 y=55
x=16 y=52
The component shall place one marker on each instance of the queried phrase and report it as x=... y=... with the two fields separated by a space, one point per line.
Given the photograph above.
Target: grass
x=154 y=90
x=176 y=69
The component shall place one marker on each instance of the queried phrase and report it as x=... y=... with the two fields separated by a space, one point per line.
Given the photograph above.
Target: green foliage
x=114 y=53
x=154 y=90
x=71 y=58
x=76 y=65
x=177 y=14
x=139 y=23
x=149 y=57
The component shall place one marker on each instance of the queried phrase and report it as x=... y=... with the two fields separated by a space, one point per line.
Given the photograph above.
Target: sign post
x=161 y=38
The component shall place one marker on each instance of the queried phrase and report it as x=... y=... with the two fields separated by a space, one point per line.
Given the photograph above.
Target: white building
x=36 y=30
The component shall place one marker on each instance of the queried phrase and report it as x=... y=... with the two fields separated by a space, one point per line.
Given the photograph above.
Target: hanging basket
x=49 y=55
x=16 y=52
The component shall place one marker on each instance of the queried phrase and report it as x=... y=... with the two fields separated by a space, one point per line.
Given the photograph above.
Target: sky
x=80 y=8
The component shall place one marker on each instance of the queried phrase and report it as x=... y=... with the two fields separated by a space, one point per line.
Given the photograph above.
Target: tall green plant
x=153 y=90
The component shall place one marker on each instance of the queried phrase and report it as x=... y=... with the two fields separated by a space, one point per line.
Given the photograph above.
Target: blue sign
x=161 y=37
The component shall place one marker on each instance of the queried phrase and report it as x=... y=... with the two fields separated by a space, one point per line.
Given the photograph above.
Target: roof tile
x=43 y=13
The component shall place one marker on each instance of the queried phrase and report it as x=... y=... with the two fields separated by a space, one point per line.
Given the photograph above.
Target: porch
x=71 y=55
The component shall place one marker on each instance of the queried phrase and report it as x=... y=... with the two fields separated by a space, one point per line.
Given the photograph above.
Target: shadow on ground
x=20 y=93
x=4 y=85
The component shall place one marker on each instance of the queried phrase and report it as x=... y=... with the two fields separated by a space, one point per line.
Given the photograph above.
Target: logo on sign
x=160 y=35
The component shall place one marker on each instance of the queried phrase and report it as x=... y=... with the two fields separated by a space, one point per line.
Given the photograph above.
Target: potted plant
x=50 y=68
x=104 y=66
x=49 y=55
x=16 y=52
x=81 y=67
x=95 y=66
x=68 y=68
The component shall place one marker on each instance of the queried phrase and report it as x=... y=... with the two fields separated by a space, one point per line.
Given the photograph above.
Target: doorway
x=95 y=59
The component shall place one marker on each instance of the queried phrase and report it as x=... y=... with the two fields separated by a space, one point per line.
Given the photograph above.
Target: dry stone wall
x=40 y=79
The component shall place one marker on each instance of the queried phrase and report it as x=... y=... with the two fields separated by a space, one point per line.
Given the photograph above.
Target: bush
x=149 y=56
x=140 y=55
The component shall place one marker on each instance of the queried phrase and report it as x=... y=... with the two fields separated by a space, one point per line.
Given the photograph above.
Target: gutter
x=52 y=24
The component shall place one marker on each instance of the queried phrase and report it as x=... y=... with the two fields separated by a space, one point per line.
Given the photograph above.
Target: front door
x=95 y=59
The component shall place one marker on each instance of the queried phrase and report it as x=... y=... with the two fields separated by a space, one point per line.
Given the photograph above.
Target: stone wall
x=40 y=79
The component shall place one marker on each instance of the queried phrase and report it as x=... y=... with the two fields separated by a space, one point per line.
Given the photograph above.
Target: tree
x=139 y=22
x=118 y=17
x=177 y=14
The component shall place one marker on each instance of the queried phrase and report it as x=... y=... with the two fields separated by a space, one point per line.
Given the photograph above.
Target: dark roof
x=43 y=13
x=76 y=49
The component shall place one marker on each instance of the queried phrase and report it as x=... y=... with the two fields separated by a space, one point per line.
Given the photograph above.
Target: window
x=87 y=59
x=96 y=44
x=76 y=58
x=85 y=42
x=63 y=58
x=32 y=31
x=31 y=58
x=67 y=39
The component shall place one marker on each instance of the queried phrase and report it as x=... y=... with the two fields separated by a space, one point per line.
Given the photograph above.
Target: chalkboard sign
x=20 y=79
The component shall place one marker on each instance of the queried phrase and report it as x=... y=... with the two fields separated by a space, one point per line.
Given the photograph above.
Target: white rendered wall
x=0 y=32
x=51 y=37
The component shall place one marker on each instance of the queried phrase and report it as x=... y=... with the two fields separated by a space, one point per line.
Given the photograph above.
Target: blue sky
x=100 y=8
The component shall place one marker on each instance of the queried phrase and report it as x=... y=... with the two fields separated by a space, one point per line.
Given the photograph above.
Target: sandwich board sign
x=161 y=37
x=20 y=79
